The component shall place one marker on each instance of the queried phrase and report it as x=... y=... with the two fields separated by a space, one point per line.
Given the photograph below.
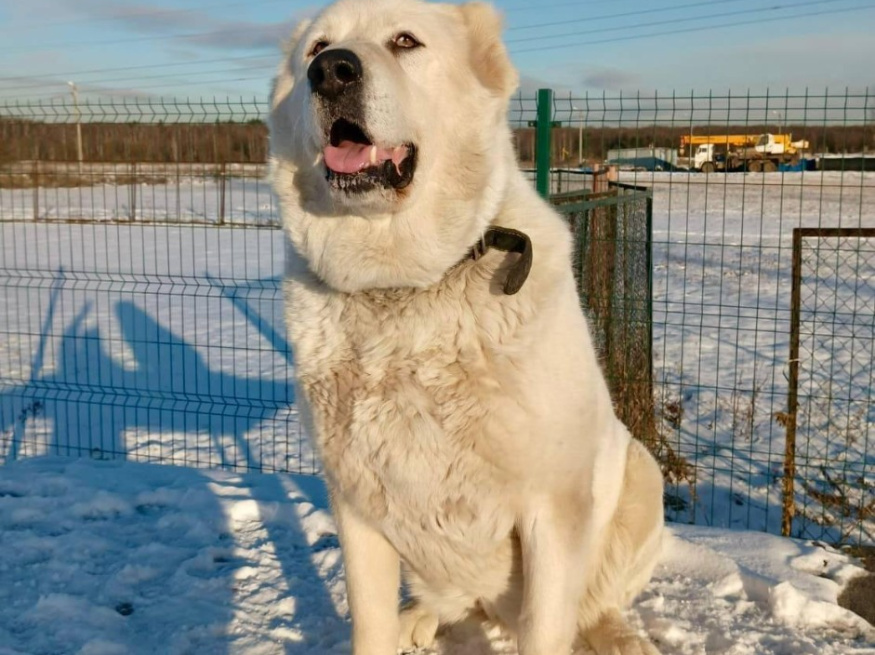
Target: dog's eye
x=318 y=47
x=406 y=41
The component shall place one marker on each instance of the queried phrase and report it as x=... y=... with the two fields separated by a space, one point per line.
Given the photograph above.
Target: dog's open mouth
x=355 y=164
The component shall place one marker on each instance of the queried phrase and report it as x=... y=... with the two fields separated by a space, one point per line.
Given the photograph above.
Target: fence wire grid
x=830 y=410
x=141 y=309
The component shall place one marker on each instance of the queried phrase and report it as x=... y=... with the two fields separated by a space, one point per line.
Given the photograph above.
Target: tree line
x=247 y=142
x=134 y=142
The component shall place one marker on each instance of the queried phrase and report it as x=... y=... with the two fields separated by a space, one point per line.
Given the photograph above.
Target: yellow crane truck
x=741 y=152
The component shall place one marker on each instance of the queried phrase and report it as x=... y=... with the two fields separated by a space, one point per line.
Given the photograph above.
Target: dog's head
x=389 y=138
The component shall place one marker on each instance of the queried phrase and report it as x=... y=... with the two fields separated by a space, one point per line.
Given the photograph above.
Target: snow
x=189 y=199
x=125 y=338
x=203 y=562
x=115 y=558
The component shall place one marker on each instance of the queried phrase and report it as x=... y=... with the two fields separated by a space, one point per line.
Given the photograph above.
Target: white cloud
x=194 y=27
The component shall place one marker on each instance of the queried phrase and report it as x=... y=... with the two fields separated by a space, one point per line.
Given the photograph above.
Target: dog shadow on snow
x=89 y=403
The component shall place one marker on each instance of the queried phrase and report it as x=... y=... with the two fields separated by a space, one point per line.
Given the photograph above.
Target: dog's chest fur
x=396 y=383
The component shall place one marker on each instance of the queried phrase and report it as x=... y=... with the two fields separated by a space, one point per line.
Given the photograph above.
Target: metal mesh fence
x=140 y=289
x=149 y=342
x=722 y=260
x=831 y=495
x=612 y=268
x=141 y=314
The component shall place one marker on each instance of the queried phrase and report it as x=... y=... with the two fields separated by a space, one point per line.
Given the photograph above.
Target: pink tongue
x=350 y=157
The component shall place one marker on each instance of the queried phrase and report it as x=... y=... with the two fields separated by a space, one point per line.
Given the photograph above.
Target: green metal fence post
x=543 y=141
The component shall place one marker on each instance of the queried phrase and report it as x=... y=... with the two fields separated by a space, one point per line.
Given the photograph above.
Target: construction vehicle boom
x=734 y=140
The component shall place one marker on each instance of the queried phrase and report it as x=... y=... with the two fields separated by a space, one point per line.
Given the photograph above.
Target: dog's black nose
x=334 y=71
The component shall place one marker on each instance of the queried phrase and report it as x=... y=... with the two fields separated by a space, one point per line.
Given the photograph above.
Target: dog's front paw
x=628 y=645
x=418 y=628
x=613 y=636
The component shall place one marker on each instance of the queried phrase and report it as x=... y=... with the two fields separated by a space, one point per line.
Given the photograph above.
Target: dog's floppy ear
x=488 y=55
x=283 y=81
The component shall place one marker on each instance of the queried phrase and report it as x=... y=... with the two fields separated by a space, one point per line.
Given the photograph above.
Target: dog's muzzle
x=354 y=163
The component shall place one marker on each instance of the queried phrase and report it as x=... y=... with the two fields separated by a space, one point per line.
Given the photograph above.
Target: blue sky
x=228 y=47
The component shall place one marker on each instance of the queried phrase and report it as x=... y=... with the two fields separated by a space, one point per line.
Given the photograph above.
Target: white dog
x=444 y=367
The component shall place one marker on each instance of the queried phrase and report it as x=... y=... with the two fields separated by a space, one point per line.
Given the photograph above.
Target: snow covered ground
x=115 y=558
x=188 y=199
x=124 y=337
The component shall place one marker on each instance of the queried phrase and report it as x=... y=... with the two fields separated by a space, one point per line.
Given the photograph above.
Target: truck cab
x=709 y=157
x=769 y=144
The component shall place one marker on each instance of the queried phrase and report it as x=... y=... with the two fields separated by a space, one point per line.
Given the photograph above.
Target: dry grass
x=841 y=504
x=73 y=181
x=48 y=181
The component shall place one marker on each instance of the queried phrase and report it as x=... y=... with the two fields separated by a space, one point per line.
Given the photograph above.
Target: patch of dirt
x=859 y=595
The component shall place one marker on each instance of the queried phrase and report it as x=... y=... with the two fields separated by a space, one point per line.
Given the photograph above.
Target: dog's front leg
x=555 y=539
x=373 y=577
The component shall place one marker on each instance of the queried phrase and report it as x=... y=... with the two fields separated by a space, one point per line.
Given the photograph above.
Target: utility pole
x=780 y=118
x=692 y=129
x=75 y=91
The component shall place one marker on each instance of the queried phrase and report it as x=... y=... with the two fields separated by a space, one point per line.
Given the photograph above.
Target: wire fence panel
x=150 y=342
x=611 y=263
x=722 y=269
x=140 y=294
x=831 y=412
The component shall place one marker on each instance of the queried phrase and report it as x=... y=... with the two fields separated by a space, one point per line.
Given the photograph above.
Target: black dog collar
x=508 y=240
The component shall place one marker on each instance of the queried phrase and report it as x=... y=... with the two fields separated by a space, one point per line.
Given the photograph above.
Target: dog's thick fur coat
x=465 y=433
